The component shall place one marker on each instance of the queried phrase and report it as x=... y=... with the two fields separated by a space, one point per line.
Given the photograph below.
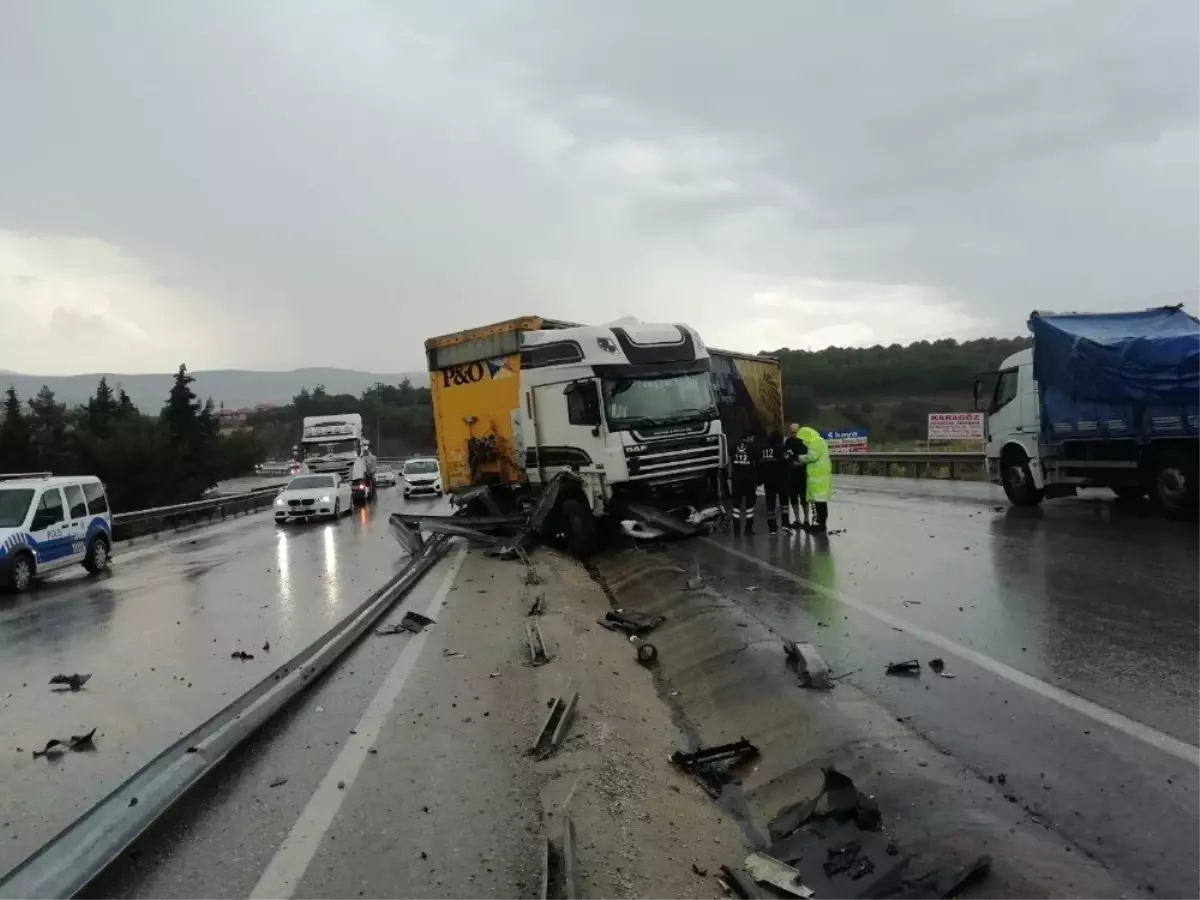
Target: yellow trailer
x=475 y=380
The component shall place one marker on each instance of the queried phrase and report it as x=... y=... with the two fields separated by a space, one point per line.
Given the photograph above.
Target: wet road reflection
x=157 y=633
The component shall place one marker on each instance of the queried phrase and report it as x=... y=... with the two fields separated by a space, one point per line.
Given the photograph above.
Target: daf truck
x=628 y=410
x=335 y=444
x=1100 y=400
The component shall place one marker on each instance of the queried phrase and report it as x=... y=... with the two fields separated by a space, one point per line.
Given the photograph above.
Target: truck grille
x=673 y=460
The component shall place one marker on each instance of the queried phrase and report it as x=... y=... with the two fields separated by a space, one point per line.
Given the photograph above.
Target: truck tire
x=1175 y=489
x=97 y=556
x=1018 y=479
x=580 y=527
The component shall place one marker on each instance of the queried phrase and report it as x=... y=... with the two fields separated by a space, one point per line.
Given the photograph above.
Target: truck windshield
x=328 y=448
x=14 y=503
x=658 y=400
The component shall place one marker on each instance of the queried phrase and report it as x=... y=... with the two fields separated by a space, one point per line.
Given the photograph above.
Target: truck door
x=568 y=427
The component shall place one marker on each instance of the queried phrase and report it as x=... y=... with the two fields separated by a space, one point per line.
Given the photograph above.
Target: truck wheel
x=580 y=527
x=20 y=572
x=1175 y=487
x=96 y=559
x=1018 y=479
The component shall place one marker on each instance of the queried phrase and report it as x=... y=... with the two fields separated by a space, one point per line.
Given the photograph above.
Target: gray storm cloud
x=276 y=185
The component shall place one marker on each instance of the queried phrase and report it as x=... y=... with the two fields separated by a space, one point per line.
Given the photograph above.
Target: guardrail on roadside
x=141 y=522
x=948 y=464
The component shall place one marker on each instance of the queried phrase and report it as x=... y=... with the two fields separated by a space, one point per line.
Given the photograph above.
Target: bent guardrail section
x=77 y=855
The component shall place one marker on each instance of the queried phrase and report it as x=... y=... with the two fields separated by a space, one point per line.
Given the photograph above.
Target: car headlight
x=326 y=499
x=279 y=501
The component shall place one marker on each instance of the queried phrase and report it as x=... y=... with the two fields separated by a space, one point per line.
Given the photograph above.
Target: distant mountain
x=236 y=388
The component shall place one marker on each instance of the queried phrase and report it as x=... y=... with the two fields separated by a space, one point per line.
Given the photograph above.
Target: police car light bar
x=22 y=476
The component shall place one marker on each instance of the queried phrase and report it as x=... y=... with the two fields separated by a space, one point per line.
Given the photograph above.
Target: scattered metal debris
x=241 y=654
x=947 y=675
x=768 y=870
x=453 y=654
x=71 y=682
x=538 y=654
x=412 y=622
x=843 y=802
x=937 y=664
x=539 y=605
x=570 y=866
x=907 y=667
x=266 y=647
x=532 y=577
x=640 y=531
x=751 y=588
x=630 y=621
x=808 y=665
x=54 y=747
x=696 y=581
x=554 y=727
x=647 y=653
x=711 y=766
x=702 y=872
x=738 y=883
x=278 y=782
x=84 y=741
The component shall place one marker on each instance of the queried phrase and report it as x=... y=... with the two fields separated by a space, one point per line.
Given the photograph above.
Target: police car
x=50 y=522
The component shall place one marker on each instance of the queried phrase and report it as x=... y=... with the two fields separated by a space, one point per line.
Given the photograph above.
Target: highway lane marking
x=1115 y=720
x=287 y=867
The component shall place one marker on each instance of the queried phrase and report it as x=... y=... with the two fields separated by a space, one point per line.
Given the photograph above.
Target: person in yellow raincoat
x=820 y=476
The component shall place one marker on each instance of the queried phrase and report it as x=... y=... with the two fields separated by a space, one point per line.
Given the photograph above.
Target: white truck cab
x=335 y=444
x=49 y=523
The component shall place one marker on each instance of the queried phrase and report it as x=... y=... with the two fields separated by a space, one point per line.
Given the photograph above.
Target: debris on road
x=53 y=748
x=946 y=675
x=278 y=782
x=266 y=647
x=412 y=622
x=647 y=653
x=241 y=654
x=539 y=605
x=768 y=870
x=848 y=859
x=808 y=664
x=738 y=883
x=71 y=682
x=839 y=799
x=453 y=654
x=695 y=582
x=751 y=588
x=538 y=654
x=712 y=766
x=84 y=741
x=699 y=871
x=937 y=664
x=630 y=621
x=554 y=726
x=532 y=578
x=907 y=667
x=133 y=801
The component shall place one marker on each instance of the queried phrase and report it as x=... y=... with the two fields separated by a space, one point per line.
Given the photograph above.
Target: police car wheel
x=20 y=575
x=96 y=559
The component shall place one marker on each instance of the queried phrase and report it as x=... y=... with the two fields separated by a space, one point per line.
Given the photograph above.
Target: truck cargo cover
x=1150 y=357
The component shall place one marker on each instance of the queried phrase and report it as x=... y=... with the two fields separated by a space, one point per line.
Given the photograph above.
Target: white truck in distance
x=335 y=444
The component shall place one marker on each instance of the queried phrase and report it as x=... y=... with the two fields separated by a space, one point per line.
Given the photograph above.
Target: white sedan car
x=385 y=476
x=309 y=496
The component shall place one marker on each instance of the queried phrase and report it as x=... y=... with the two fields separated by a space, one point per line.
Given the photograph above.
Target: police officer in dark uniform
x=797 y=487
x=774 y=472
x=743 y=479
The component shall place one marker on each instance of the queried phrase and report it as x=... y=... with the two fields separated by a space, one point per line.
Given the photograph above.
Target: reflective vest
x=820 y=467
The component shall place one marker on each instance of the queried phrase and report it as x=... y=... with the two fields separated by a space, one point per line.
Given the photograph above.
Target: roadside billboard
x=956 y=426
x=852 y=440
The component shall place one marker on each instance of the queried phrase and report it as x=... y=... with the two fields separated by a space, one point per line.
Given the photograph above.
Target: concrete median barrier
x=725 y=674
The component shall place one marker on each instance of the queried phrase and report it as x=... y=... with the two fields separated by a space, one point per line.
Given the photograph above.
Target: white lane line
x=286 y=869
x=1152 y=736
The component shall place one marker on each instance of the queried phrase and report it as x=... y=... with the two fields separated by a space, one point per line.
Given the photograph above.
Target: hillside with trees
x=889 y=390
x=145 y=460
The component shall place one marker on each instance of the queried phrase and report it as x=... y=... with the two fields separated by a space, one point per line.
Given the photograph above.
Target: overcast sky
x=295 y=183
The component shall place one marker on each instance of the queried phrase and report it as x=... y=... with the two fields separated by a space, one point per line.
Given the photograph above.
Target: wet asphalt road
x=1087 y=596
x=156 y=634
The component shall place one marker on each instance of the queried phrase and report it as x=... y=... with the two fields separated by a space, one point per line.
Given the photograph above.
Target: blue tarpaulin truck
x=1100 y=400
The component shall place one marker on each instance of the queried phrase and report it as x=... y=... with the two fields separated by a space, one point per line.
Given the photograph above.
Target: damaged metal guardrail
x=949 y=464
x=69 y=862
x=138 y=523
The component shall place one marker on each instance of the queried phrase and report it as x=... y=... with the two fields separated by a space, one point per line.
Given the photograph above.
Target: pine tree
x=48 y=431
x=125 y=407
x=182 y=412
x=102 y=409
x=16 y=451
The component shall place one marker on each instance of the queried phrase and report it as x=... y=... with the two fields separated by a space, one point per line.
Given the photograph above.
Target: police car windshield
x=14 y=503
x=659 y=400
x=325 y=448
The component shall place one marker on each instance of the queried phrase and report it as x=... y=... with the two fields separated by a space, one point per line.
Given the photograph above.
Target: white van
x=50 y=522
